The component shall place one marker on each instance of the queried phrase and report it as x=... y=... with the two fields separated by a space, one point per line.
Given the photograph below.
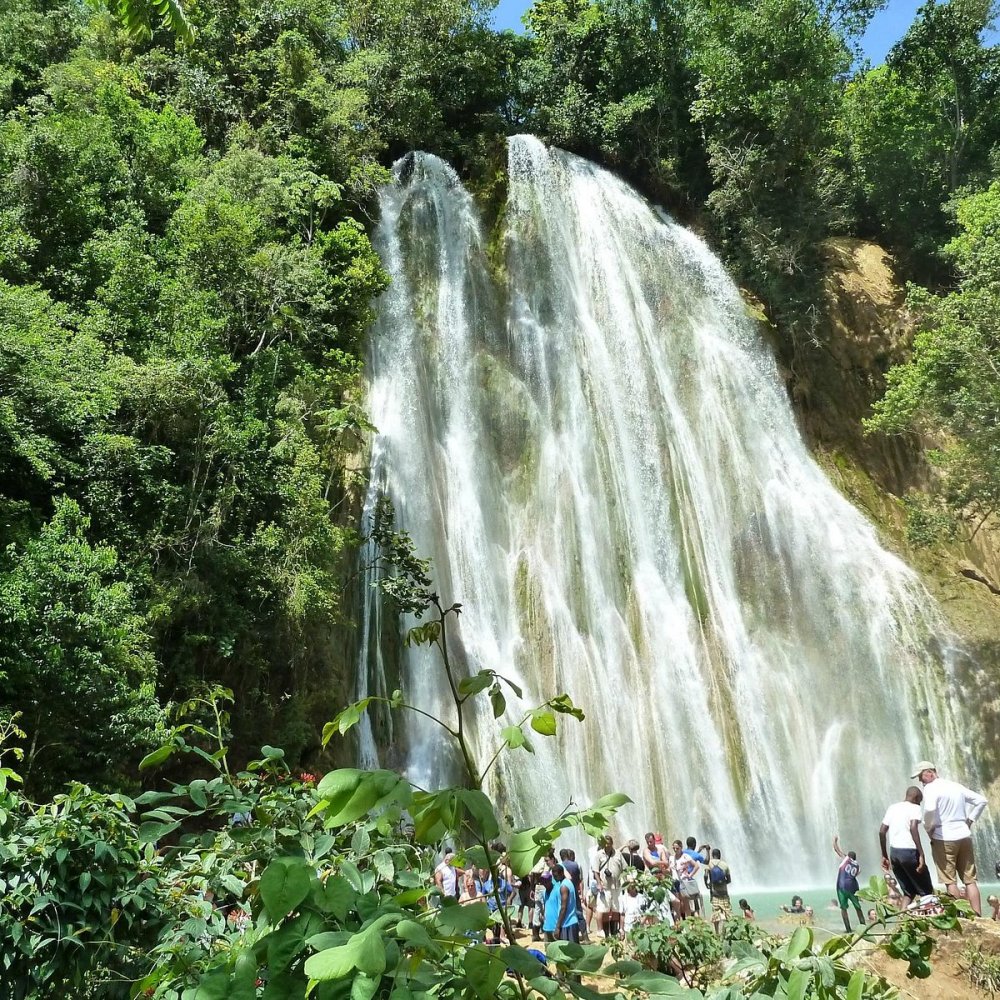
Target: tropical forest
x=434 y=454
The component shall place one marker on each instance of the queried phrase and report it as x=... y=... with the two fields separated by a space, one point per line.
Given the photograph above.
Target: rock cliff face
x=833 y=384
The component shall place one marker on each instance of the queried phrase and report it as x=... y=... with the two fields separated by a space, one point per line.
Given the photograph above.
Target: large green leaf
x=350 y=793
x=416 y=935
x=151 y=832
x=520 y=960
x=157 y=757
x=484 y=969
x=346 y=719
x=527 y=848
x=856 y=986
x=799 y=942
x=435 y=815
x=365 y=987
x=659 y=985
x=544 y=722
x=473 y=685
x=463 y=917
x=213 y=986
x=514 y=737
x=365 y=952
x=337 y=897
x=798 y=983
x=579 y=958
x=480 y=810
x=284 y=884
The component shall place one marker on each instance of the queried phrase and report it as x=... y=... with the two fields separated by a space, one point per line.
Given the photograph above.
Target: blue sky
x=886 y=28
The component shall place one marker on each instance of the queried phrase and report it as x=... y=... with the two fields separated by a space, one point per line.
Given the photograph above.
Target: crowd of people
x=620 y=888
x=650 y=882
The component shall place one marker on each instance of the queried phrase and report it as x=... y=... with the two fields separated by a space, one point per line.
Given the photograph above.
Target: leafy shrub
x=739 y=931
x=983 y=970
x=690 y=950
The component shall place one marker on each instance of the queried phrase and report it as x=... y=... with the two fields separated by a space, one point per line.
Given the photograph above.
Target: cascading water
x=601 y=463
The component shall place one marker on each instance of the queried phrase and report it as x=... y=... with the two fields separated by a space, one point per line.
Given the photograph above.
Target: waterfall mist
x=594 y=448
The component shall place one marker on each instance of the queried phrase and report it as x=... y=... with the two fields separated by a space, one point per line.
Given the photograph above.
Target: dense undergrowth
x=186 y=280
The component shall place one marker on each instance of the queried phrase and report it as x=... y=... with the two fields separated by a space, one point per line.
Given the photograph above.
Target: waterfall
x=591 y=442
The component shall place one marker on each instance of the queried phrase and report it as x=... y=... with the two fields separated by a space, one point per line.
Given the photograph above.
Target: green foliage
x=75 y=658
x=611 y=79
x=923 y=125
x=897 y=144
x=358 y=920
x=927 y=520
x=138 y=16
x=909 y=936
x=325 y=891
x=32 y=37
x=691 y=949
x=737 y=932
x=767 y=96
x=179 y=350
x=79 y=894
x=950 y=386
x=794 y=967
x=982 y=969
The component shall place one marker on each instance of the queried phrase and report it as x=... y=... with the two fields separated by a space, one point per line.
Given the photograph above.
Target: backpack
x=717 y=874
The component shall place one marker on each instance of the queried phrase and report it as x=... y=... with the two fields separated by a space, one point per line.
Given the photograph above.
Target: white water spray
x=601 y=462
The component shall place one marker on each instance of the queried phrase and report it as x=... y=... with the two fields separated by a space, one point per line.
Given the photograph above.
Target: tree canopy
x=186 y=276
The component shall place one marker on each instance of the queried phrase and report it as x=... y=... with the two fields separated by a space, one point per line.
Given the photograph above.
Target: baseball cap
x=921 y=766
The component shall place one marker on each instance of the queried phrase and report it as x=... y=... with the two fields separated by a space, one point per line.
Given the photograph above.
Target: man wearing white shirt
x=902 y=853
x=949 y=810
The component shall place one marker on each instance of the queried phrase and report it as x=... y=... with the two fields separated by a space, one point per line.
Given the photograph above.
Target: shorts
x=608 y=901
x=722 y=908
x=571 y=933
x=844 y=897
x=955 y=860
x=904 y=866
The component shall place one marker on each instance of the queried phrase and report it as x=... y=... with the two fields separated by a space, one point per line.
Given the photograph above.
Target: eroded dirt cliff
x=833 y=382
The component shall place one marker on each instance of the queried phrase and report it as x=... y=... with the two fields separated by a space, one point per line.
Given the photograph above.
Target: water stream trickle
x=602 y=464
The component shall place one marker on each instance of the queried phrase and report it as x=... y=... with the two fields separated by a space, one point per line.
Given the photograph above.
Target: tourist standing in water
x=899 y=838
x=847 y=883
x=949 y=810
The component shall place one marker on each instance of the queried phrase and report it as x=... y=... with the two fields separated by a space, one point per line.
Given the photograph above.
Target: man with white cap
x=949 y=810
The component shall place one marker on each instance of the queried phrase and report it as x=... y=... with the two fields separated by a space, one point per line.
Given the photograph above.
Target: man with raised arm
x=950 y=809
x=847 y=883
